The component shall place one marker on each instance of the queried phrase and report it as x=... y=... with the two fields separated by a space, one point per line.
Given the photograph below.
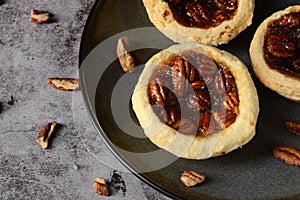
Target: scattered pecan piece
x=280 y=46
x=11 y=101
x=288 y=154
x=45 y=134
x=100 y=186
x=294 y=127
x=66 y=84
x=39 y=16
x=125 y=58
x=191 y=178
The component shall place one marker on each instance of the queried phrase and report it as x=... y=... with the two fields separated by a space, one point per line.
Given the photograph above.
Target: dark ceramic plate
x=247 y=173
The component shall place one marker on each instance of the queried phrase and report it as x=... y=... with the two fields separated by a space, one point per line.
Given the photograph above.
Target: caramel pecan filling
x=193 y=94
x=202 y=13
x=282 y=44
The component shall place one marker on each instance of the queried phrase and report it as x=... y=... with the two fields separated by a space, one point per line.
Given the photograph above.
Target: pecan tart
x=196 y=101
x=275 y=52
x=205 y=21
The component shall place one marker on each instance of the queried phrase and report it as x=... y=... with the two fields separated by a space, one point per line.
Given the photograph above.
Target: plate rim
x=93 y=119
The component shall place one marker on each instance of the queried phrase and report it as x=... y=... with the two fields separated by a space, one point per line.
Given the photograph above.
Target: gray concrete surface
x=29 y=54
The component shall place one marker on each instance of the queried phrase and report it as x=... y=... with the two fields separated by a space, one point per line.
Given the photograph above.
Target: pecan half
x=179 y=73
x=230 y=83
x=193 y=102
x=191 y=178
x=197 y=12
x=232 y=101
x=175 y=114
x=204 y=123
x=204 y=100
x=193 y=74
x=288 y=154
x=289 y=20
x=207 y=67
x=39 y=16
x=100 y=186
x=224 y=118
x=65 y=84
x=219 y=83
x=125 y=58
x=280 y=46
x=198 y=85
x=229 y=5
x=294 y=127
x=161 y=113
x=45 y=134
x=158 y=93
x=230 y=118
x=185 y=126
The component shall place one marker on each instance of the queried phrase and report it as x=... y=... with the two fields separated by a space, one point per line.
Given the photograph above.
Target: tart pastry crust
x=191 y=146
x=161 y=16
x=285 y=85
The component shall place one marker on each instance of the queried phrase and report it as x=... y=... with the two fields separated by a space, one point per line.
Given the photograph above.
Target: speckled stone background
x=29 y=54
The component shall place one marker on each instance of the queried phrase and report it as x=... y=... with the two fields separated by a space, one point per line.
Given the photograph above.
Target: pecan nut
x=219 y=83
x=65 y=84
x=175 y=114
x=158 y=93
x=230 y=83
x=280 y=46
x=230 y=5
x=207 y=67
x=207 y=124
x=224 y=81
x=198 y=85
x=293 y=127
x=45 y=134
x=288 y=154
x=100 y=186
x=204 y=100
x=224 y=118
x=232 y=102
x=180 y=83
x=289 y=20
x=197 y=12
x=125 y=58
x=161 y=113
x=230 y=118
x=191 y=178
x=185 y=126
x=39 y=16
